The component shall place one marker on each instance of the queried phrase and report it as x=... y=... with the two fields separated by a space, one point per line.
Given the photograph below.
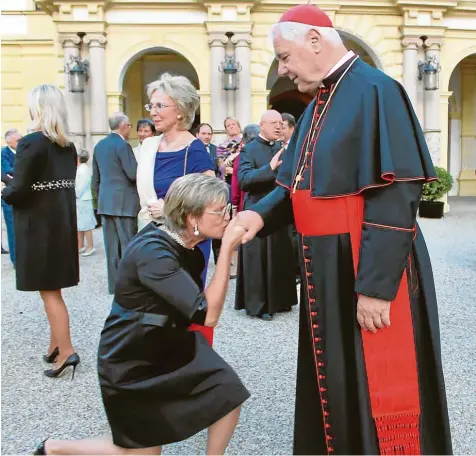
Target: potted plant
x=430 y=207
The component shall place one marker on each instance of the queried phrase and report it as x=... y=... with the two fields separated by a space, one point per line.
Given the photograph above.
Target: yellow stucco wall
x=36 y=56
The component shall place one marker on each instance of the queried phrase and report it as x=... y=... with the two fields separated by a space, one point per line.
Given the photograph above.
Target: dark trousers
x=118 y=231
x=8 y=216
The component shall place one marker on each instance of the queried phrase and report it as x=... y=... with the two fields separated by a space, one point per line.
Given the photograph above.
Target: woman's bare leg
x=89 y=239
x=220 y=433
x=99 y=446
x=80 y=240
x=58 y=318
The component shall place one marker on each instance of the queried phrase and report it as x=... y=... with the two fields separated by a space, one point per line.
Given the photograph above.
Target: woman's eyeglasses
x=157 y=106
x=223 y=212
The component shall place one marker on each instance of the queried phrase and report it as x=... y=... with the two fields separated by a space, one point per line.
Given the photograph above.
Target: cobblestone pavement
x=263 y=353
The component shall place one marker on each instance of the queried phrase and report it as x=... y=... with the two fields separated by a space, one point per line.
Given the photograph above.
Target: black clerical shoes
x=265 y=317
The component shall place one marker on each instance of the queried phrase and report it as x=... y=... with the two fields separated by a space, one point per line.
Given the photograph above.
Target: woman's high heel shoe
x=41 y=448
x=51 y=358
x=72 y=360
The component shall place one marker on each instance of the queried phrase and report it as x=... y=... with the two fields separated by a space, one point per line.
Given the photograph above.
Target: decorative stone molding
x=411 y=42
x=434 y=43
x=241 y=40
x=95 y=40
x=217 y=39
x=69 y=41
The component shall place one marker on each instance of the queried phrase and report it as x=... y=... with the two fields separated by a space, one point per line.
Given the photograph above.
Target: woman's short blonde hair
x=48 y=113
x=184 y=94
x=234 y=120
x=190 y=195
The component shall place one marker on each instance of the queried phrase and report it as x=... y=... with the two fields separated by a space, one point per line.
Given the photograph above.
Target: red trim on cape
x=390 y=357
x=389 y=227
x=207 y=331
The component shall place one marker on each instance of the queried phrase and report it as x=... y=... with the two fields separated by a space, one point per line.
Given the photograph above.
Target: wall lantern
x=78 y=76
x=428 y=71
x=230 y=68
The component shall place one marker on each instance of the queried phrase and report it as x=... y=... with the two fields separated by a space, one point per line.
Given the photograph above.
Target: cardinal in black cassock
x=266 y=267
x=369 y=377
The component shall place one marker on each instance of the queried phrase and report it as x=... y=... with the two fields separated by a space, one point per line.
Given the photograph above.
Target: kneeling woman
x=160 y=382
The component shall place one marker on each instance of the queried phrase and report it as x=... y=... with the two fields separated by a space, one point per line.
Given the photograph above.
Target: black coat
x=44 y=206
x=266 y=279
x=161 y=383
x=114 y=177
x=369 y=146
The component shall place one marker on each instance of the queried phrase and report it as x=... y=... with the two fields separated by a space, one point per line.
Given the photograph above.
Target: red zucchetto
x=307 y=14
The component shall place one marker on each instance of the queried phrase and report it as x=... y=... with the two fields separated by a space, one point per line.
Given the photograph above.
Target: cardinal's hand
x=373 y=313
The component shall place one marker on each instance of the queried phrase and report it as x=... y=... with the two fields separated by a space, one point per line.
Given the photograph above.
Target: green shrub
x=433 y=191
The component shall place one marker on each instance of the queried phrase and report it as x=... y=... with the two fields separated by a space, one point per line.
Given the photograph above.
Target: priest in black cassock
x=266 y=281
x=369 y=377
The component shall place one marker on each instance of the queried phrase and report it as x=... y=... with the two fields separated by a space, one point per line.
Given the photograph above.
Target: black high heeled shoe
x=51 y=358
x=41 y=448
x=71 y=361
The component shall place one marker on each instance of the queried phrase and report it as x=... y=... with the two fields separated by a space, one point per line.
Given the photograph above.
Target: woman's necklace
x=175 y=236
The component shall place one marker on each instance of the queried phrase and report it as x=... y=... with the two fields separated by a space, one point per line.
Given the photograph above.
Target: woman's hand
x=233 y=235
x=228 y=170
x=156 y=208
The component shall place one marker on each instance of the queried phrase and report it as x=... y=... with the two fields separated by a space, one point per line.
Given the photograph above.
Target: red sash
x=207 y=331
x=390 y=358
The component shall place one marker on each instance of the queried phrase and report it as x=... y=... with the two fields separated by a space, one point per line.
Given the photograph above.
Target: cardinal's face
x=300 y=61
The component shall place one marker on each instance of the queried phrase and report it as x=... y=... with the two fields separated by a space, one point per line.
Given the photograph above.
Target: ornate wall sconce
x=78 y=74
x=428 y=71
x=230 y=68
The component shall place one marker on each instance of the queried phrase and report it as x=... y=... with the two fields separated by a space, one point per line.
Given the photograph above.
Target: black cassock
x=266 y=279
x=357 y=392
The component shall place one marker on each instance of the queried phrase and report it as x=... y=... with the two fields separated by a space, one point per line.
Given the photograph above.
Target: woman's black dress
x=161 y=383
x=44 y=207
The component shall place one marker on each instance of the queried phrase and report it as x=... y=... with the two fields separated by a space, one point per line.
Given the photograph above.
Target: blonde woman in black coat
x=43 y=198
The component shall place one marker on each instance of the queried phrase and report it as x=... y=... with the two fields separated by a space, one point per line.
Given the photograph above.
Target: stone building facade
x=129 y=43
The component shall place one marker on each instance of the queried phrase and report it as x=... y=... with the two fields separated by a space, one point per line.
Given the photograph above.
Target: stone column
x=432 y=123
x=74 y=101
x=217 y=43
x=97 y=86
x=468 y=129
x=242 y=44
x=410 y=67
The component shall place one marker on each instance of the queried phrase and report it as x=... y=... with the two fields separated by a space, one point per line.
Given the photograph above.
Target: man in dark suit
x=205 y=134
x=114 y=182
x=8 y=163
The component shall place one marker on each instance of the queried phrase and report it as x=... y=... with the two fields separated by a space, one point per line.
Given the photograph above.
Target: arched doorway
x=462 y=127
x=283 y=95
x=145 y=67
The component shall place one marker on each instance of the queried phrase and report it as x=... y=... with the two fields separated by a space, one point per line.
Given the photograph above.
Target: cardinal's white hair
x=295 y=31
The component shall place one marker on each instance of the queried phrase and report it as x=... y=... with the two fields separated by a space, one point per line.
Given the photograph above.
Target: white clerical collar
x=271 y=143
x=341 y=62
x=13 y=150
x=118 y=134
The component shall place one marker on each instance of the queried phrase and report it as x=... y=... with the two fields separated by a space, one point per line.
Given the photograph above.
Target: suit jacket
x=8 y=163
x=114 y=177
x=213 y=155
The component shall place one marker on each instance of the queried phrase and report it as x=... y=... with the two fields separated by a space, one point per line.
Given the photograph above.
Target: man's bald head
x=271 y=125
x=270 y=114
